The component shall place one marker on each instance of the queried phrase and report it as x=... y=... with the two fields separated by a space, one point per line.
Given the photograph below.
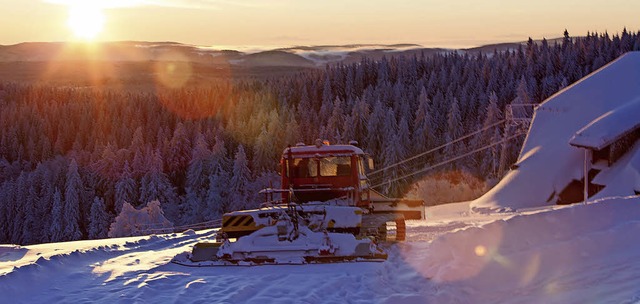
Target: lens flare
x=480 y=250
x=173 y=70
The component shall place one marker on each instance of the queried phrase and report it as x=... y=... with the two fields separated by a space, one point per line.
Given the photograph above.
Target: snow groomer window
x=335 y=166
x=305 y=167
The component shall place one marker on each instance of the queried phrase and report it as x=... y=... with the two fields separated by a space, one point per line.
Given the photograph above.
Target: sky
x=443 y=23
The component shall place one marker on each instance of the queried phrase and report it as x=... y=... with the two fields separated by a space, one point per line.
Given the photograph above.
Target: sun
x=86 y=21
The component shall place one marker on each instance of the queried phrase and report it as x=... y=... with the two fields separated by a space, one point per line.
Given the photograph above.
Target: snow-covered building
x=591 y=129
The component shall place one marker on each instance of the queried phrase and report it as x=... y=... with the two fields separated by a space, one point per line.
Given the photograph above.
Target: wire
x=449 y=160
x=435 y=149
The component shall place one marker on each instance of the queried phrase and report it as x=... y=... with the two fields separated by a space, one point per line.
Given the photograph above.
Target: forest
x=71 y=157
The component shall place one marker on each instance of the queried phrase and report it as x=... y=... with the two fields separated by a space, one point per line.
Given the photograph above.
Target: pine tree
x=137 y=142
x=125 y=189
x=20 y=194
x=155 y=185
x=454 y=130
x=375 y=125
x=29 y=222
x=108 y=167
x=357 y=124
x=404 y=137
x=423 y=124
x=305 y=118
x=216 y=204
x=275 y=136
x=178 y=155
x=218 y=195
x=335 y=123
x=72 y=190
x=56 y=229
x=393 y=153
x=240 y=180
x=262 y=156
x=292 y=132
x=99 y=220
x=5 y=197
x=490 y=158
x=44 y=203
x=139 y=167
x=197 y=181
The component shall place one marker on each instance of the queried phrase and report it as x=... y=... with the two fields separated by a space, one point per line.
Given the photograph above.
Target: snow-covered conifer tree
x=240 y=180
x=356 y=129
x=157 y=219
x=20 y=192
x=72 y=190
x=56 y=229
x=131 y=222
x=126 y=189
x=423 y=129
x=218 y=194
x=263 y=152
x=178 y=155
x=454 y=129
x=392 y=152
x=99 y=220
x=5 y=197
x=335 y=123
x=490 y=157
x=127 y=223
x=292 y=132
x=30 y=222
x=374 y=127
x=155 y=185
x=197 y=181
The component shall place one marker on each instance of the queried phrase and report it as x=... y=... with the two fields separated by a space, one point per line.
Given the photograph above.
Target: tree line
x=71 y=157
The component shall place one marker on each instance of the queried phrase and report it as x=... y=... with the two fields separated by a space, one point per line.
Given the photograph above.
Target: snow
x=323 y=149
x=610 y=126
x=547 y=162
x=292 y=246
x=575 y=254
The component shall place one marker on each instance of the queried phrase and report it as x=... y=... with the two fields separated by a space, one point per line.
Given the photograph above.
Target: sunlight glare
x=480 y=250
x=85 y=20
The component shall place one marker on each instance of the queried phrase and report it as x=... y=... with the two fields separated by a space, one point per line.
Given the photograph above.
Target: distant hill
x=297 y=56
x=135 y=65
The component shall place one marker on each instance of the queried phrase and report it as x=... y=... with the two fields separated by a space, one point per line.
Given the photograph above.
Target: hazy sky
x=447 y=23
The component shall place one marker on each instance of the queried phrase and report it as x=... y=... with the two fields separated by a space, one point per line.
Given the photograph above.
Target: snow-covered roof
x=323 y=150
x=609 y=127
x=547 y=162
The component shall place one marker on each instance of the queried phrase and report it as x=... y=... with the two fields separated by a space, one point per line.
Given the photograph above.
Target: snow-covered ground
x=574 y=254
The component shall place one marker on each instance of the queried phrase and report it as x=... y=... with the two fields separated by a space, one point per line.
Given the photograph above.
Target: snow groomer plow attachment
x=297 y=236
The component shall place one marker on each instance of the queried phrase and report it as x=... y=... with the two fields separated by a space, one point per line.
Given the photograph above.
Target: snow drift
x=547 y=162
x=575 y=254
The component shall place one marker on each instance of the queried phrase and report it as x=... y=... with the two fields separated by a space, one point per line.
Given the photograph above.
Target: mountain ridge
x=290 y=56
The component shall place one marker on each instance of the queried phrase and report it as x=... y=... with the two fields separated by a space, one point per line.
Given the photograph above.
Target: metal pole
x=586 y=175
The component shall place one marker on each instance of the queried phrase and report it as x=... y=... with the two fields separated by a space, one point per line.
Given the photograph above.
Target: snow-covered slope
x=575 y=254
x=548 y=162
